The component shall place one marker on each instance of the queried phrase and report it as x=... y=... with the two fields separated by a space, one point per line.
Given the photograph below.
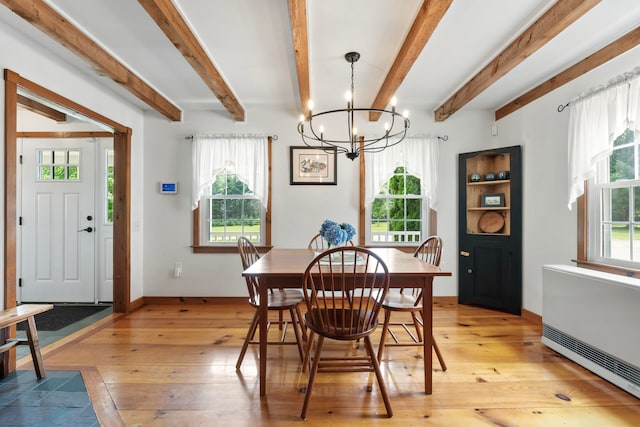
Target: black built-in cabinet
x=490 y=229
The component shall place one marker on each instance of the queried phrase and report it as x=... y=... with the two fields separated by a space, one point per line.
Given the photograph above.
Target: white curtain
x=247 y=154
x=596 y=119
x=418 y=154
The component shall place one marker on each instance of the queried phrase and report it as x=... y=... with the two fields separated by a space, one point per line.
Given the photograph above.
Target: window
x=399 y=212
x=231 y=179
x=58 y=165
x=231 y=210
x=400 y=189
x=603 y=153
x=614 y=200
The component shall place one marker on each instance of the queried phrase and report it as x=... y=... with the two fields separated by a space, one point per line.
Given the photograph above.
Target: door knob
x=88 y=230
x=469 y=271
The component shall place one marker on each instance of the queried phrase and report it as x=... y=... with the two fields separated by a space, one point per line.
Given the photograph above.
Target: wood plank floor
x=174 y=365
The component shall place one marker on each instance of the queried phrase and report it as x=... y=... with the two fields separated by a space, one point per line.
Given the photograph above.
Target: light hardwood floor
x=174 y=365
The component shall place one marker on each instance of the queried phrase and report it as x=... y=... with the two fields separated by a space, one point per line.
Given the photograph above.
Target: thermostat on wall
x=168 y=187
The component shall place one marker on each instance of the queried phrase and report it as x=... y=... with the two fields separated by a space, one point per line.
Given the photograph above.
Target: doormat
x=62 y=316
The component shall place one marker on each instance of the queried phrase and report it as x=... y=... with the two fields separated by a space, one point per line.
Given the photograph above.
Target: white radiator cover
x=593 y=318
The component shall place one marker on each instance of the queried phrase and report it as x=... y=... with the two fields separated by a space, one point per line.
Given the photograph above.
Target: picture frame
x=313 y=166
x=492 y=200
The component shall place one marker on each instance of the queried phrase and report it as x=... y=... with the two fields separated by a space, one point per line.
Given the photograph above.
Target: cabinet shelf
x=502 y=208
x=496 y=182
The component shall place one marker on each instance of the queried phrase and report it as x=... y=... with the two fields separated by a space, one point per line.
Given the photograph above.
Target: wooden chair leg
x=303 y=327
x=312 y=377
x=417 y=325
x=295 y=323
x=385 y=330
x=250 y=333
x=438 y=354
x=307 y=351
x=376 y=368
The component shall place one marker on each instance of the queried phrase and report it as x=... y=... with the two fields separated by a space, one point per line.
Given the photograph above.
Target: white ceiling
x=250 y=43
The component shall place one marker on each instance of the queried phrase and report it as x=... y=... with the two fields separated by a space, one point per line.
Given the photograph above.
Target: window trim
x=582 y=259
x=197 y=248
x=585 y=227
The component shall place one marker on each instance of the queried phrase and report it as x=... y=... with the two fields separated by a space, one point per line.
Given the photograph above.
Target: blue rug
x=60 y=398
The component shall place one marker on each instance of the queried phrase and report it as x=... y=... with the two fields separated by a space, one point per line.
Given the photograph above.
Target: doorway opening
x=44 y=99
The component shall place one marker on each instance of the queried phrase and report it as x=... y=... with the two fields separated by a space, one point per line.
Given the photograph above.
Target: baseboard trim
x=531 y=317
x=232 y=300
x=192 y=300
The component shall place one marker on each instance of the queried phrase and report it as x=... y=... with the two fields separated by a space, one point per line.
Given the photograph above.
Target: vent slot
x=606 y=361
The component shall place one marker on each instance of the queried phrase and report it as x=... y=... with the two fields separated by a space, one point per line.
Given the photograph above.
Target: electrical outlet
x=177 y=269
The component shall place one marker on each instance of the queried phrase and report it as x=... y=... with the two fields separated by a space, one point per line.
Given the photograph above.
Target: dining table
x=284 y=268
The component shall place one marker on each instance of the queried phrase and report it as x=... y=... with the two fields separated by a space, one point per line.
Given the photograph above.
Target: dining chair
x=331 y=274
x=279 y=300
x=409 y=300
x=319 y=244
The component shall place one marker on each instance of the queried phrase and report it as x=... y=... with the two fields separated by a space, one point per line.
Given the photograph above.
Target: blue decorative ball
x=490 y=176
x=503 y=175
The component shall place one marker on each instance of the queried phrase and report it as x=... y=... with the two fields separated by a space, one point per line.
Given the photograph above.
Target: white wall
x=298 y=210
x=31 y=61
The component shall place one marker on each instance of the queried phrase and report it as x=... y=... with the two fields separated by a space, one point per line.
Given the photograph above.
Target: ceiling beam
x=562 y=14
x=425 y=23
x=43 y=110
x=607 y=53
x=298 y=19
x=172 y=23
x=42 y=16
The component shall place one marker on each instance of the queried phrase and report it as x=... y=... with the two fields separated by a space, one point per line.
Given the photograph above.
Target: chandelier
x=352 y=144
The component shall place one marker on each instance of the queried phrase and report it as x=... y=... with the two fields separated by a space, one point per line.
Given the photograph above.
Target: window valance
x=246 y=153
x=418 y=154
x=596 y=119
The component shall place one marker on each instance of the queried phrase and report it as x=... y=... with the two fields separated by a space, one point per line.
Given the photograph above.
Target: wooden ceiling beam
x=41 y=109
x=42 y=16
x=562 y=14
x=172 y=23
x=425 y=23
x=298 y=20
x=607 y=53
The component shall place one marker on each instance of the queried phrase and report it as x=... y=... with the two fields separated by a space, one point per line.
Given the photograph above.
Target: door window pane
x=58 y=165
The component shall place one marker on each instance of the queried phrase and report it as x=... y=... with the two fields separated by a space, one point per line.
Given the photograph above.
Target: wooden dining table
x=284 y=268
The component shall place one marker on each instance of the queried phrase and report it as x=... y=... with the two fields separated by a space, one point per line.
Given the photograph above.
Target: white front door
x=57 y=220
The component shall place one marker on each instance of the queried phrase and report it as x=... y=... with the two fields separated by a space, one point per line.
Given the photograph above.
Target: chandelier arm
x=315 y=137
x=338 y=148
x=313 y=131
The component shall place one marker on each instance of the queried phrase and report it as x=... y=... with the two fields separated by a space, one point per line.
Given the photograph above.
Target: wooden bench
x=12 y=316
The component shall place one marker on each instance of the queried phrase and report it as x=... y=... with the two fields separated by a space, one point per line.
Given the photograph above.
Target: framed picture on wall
x=313 y=166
